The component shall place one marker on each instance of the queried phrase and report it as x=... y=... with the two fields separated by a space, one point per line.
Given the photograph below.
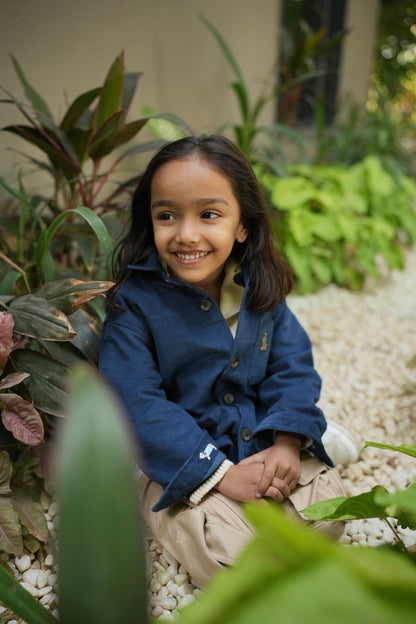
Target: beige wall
x=66 y=47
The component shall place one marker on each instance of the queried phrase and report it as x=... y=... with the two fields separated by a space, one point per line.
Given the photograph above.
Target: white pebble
x=45 y=590
x=49 y=560
x=23 y=563
x=167 y=617
x=180 y=579
x=166 y=602
x=53 y=509
x=31 y=576
x=184 y=601
x=30 y=588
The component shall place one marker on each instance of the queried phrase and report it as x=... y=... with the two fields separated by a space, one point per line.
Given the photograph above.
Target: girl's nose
x=188 y=232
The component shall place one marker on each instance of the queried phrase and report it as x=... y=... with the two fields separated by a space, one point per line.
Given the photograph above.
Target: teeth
x=194 y=256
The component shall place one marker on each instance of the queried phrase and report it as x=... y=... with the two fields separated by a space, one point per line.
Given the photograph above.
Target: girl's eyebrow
x=205 y=201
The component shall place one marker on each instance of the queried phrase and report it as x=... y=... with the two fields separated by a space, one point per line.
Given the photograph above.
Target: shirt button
x=234 y=362
x=228 y=398
x=246 y=435
x=205 y=305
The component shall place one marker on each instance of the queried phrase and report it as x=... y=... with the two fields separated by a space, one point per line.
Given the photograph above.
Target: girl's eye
x=165 y=216
x=209 y=214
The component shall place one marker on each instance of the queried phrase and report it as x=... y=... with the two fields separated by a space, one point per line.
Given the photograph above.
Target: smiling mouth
x=191 y=256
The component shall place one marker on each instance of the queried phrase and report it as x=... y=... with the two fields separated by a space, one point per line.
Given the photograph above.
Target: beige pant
x=210 y=535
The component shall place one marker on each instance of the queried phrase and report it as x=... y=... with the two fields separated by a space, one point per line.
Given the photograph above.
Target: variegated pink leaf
x=6 y=338
x=22 y=419
x=12 y=380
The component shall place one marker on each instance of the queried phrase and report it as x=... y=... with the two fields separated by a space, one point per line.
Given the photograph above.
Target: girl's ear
x=241 y=234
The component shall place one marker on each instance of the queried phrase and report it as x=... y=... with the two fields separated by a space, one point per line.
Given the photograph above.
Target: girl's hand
x=241 y=483
x=280 y=463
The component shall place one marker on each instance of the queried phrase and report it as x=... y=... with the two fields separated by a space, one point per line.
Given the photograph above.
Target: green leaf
x=100 y=519
x=56 y=154
x=400 y=504
x=105 y=138
x=88 y=332
x=11 y=540
x=111 y=92
x=408 y=449
x=34 y=316
x=21 y=602
x=94 y=221
x=37 y=101
x=347 y=508
x=129 y=131
x=70 y=294
x=131 y=80
x=9 y=281
x=78 y=108
x=47 y=381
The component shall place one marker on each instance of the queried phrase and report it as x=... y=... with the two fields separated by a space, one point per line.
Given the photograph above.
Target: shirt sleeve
x=291 y=386
x=176 y=452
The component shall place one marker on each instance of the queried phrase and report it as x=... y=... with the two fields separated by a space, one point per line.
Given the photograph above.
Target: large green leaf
x=78 y=108
x=347 y=508
x=111 y=93
x=100 y=519
x=47 y=381
x=36 y=317
x=88 y=334
x=105 y=138
x=70 y=294
x=289 y=574
x=18 y=599
x=131 y=80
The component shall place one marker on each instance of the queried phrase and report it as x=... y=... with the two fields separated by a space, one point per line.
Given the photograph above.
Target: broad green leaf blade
x=9 y=281
x=129 y=131
x=105 y=138
x=111 y=92
x=88 y=335
x=47 y=383
x=100 y=519
x=78 y=108
x=69 y=294
x=18 y=599
x=37 y=101
x=22 y=419
x=347 y=508
x=11 y=540
x=131 y=80
x=36 y=317
x=408 y=449
x=400 y=504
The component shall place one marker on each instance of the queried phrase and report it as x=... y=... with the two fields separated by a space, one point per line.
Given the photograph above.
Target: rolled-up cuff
x=211 y=482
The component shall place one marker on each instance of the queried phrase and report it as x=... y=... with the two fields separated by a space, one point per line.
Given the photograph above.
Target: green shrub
x=334 y=222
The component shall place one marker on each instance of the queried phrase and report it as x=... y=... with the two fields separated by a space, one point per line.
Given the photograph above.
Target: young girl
x=215 y=372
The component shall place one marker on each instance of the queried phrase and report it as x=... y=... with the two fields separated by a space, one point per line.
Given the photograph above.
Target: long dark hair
x=271 y=278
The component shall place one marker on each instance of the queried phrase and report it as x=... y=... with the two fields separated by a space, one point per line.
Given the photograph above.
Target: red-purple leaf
x=22 y=419
x=6 y=338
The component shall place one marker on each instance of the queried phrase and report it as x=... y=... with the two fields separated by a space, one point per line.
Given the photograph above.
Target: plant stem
x=17 y=268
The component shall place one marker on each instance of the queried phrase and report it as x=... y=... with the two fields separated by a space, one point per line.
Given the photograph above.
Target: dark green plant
x=101 y=559
x=83 y=153
x=334 y=222
x=377 y=503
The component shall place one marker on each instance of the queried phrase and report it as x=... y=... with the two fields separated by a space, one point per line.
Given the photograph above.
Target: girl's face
x=196 y=221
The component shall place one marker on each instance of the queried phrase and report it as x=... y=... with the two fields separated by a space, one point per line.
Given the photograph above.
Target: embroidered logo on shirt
x=206 y=453
x=263 y=346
